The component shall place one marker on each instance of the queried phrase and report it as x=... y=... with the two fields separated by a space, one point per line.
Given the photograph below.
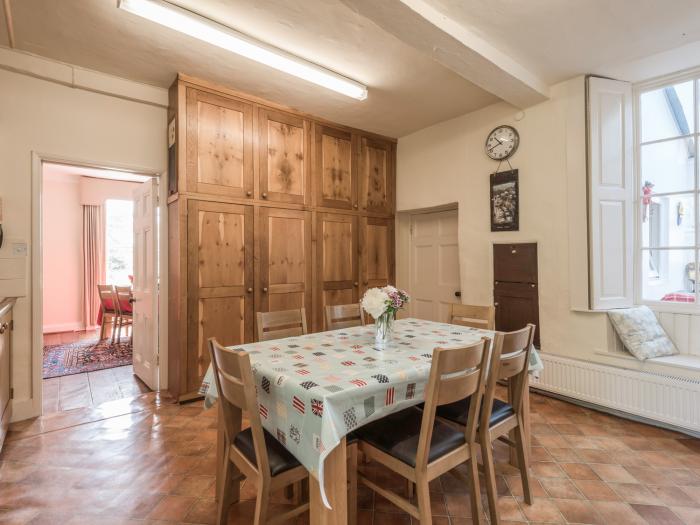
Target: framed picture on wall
x=505 y=201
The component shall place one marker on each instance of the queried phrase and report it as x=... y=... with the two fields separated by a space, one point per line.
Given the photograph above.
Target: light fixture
x=224 y=37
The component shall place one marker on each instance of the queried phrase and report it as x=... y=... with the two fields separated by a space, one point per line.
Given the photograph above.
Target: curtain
x=93 y=262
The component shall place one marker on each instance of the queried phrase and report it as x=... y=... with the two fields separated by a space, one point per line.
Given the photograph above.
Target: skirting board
x=659 y=399
x=65 y=327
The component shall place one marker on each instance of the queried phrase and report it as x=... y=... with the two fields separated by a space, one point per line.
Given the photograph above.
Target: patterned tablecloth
x=315 y=389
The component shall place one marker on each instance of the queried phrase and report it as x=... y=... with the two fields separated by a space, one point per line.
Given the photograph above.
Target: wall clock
x=502 y=142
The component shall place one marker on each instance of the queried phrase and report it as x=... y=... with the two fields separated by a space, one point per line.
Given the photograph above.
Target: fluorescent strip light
x=224 y=37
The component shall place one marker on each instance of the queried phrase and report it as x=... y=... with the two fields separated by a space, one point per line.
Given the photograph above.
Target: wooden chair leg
x=490 y=479
x=226 y=491
x=521 y=449
x=296 y=493
x=102 y=327
x=261 y=504
x=115 y=320
x=352 y=484
x=423 y=497
x=475 y=493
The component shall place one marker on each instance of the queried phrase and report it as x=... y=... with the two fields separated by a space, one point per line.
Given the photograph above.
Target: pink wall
x=62 y=222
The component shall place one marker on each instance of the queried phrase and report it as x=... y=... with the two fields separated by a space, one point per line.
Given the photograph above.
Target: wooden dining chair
x=499 y=419
x=483 y=317
x=253 y=452
x=343 y=316
x=124 y=311
x=108 y=304
x=278 y=325
x=415 y=445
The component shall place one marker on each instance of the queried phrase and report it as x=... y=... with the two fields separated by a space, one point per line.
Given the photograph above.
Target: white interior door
x=434 y=264
x=145 y=288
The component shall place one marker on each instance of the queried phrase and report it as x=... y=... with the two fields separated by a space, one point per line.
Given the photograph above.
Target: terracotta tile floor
x=143 y=461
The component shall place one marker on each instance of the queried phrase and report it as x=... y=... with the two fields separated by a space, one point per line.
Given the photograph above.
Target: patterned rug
x=85 y=356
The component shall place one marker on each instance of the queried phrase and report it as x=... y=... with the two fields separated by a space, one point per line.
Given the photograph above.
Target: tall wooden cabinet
x=269 y=209
x=5 y=364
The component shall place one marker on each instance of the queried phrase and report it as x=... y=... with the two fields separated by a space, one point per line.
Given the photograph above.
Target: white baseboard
x=659 y=397
x=65 y=327
x=24 y=409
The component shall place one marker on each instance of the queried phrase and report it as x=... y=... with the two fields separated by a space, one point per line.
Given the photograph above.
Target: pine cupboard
x=269 y=209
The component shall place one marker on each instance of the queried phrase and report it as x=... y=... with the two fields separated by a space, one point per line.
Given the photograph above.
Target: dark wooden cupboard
x=515 y=288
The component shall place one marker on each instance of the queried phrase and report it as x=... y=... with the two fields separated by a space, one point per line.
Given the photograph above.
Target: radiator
x=666 y=399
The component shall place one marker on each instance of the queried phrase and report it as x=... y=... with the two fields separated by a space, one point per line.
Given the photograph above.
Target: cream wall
x=56 y=120
x=446 y=163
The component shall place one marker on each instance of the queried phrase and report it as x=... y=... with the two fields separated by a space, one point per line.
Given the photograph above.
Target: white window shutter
x=611 y=194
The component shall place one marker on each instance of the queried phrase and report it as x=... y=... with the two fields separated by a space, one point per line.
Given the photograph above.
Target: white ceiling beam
x=424 y=28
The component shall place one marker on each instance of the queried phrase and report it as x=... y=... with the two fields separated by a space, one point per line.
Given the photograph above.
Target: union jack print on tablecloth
x=303 y=372
x=332 y=388
x=410 y=391
x=359 y=382
x=350 y=418
x=298 y=404
x=265 y=384
x=347 y=363
x=317 y=407
x=389 y=398
x=263 y=411
x=308 y=385
x=381 y=378
x=369 y=406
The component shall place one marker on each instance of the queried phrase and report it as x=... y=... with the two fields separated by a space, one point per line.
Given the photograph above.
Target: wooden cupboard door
x=337 y=262
x=517 y=304
x=376 y=176
x=285 y=272
x=335 y=167
x=376 y=252
x=219 y=145
x=5 y=328
x=220 y=281
x=284 y=151
x=515 y=263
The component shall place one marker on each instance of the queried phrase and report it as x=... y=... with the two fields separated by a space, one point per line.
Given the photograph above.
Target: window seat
x=681 y=365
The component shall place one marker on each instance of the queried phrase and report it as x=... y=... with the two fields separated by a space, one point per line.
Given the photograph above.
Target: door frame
x=33 y=407
x=404 y=220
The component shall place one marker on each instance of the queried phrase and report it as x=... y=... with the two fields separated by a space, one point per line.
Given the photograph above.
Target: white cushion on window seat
x=680 y=360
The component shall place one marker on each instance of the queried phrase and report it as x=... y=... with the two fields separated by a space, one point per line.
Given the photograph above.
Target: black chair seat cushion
x=281 y=460
x=397 y=435
x=459 y=410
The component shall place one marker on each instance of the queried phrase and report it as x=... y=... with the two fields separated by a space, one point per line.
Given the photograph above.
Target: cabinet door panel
x=285 y=259
x=376 y=176
x=5 y=379
x=336 y=167
x=377 y=252
x=219 y=145
x=517 y=304
x=284 y=146
x=220 y=274
x=337 y=262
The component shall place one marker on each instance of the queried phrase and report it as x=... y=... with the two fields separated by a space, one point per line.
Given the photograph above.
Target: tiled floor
x=91 y=388
x=143 y=461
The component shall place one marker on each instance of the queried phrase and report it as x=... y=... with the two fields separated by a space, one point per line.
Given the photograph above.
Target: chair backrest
x=510 y=360
x=234 y=381
x=483 y=317
x=123 y=295
x=455 y=374
x=108 y=299
x=344 y=316
x=278 y=325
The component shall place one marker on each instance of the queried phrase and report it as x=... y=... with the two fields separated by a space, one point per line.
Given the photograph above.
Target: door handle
x=264 y=195
x=250 y=290
x=264 y=290
x=249 y=193
x=3 y=327
x=132 y=300
x=356 y=284
x=458 y=293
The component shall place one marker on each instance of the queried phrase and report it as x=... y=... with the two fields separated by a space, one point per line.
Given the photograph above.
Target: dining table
x=315 y=389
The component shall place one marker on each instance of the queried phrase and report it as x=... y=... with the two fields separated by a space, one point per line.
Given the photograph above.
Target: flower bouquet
x=382 y=304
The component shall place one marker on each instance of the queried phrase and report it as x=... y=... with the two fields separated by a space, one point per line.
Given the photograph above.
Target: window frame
x=638 y=90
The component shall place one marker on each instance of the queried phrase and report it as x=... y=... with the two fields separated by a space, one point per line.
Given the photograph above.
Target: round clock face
x=502 y=142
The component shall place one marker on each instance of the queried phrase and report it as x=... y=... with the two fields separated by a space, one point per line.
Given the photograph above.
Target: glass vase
x=384 y=325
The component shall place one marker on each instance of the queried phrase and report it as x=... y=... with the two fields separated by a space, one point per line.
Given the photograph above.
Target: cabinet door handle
x=3 y=327
x=514 y=251
x=356 y=284
x=264 y=290
x=354 y=206
x=495 y=304
x=249 y=193
x=264 y=195
x=250 y=290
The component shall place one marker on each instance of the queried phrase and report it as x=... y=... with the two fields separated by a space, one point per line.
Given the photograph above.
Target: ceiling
x=50 y=169
x=548 y=41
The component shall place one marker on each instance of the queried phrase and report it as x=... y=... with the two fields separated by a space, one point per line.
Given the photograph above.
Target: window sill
x=682 y=361
x=673 y=308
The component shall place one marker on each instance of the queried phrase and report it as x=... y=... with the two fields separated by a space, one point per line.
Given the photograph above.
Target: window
x=667 y=194
x=119 y=245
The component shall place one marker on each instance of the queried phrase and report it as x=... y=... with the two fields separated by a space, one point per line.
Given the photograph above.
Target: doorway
x=433 y=264
x=98 y=256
